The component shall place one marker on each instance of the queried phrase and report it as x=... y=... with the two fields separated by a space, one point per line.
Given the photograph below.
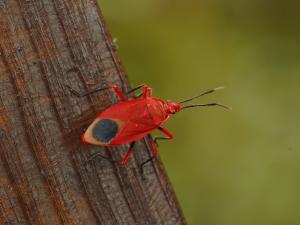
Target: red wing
x=134 y=129
x=131 y=132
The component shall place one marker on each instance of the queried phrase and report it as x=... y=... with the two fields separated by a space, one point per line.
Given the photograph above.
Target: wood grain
x=44 y=46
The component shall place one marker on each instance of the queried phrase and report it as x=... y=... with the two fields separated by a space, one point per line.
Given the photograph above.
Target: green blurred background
x=239 y=167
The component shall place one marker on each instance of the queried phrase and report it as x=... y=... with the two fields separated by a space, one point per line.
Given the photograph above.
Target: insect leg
x=96 y=155
x=135 y=89
x=128 y=154
x=78 y=94
x=147 y=91
x=154 y=152
x=118 y=92
x=166 y=132
x=154 y=146
x=115 y=88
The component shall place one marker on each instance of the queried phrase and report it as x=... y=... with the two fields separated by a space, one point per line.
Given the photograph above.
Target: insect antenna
x=209 y=104
x=204 y=93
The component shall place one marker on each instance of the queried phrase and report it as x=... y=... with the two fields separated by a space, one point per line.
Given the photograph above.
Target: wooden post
x=44 y=46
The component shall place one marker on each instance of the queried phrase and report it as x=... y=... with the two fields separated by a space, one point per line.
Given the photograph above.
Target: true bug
x=132 y=119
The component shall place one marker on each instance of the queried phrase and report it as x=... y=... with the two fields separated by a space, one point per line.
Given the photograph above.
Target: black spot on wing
x=105 y=130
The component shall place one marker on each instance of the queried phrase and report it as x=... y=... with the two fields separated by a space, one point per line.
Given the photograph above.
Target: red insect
x=132 y=119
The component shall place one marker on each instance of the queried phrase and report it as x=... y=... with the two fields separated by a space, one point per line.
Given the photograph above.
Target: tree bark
x=44 y=46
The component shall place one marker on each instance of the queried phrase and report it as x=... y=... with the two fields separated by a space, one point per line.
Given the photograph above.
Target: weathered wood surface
x=45 y=45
